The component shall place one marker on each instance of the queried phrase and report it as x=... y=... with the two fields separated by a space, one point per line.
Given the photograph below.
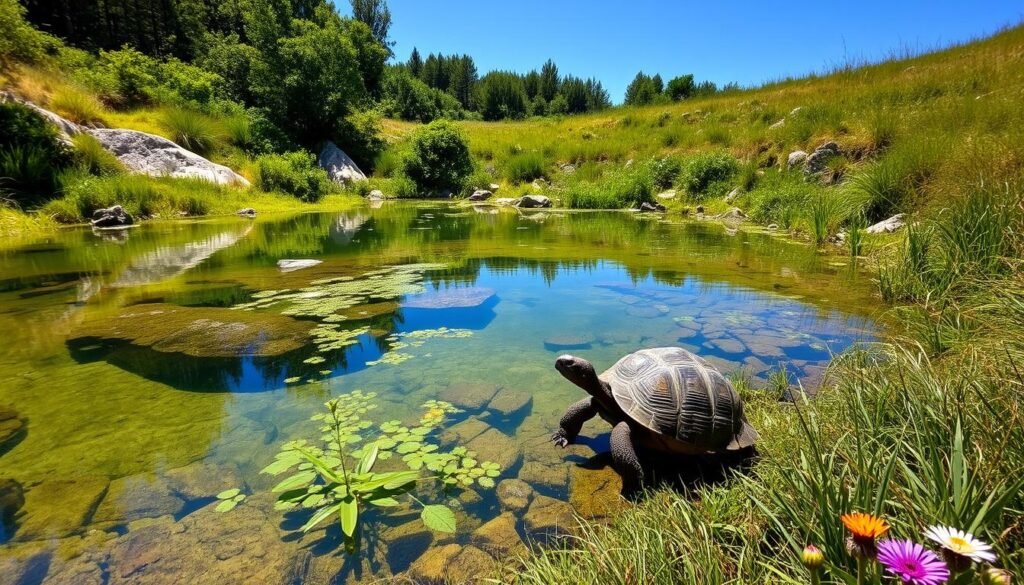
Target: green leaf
x=409 y=447
x=400 y=478
x=369 y=458
x=348 y=515
x=439 y=518
x=228 y=494
x=385 y=502
x=300 y=479
x=226 y=506
x=319 y=517
x=485 y=482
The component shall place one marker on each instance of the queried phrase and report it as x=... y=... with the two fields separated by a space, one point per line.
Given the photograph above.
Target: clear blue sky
x=746 y=42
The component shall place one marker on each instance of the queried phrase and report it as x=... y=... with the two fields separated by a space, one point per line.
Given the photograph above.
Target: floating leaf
x=486 y=482
x=320 y=516
x=228 y=494
x=439 y=518
x=226 y=506
x=409 y=447
x=385 y=502
x=294 y=481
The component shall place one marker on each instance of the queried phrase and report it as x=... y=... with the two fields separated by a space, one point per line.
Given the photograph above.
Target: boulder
x=493 y=187
x=470 y=565
x=339 y=166
x=468 y=396
x=58 y=508
x=533 y=201
x=494 y=445
x=646 y=207
x=733 y=213
x=817 y=159
x=66 y=127
x=406 y=541
x=795 y=159
x=376 y=195
x=700 y=209
x=594 y=493
x=514 y=495
x=549 y=519
x=200 y=480
x=887 y=226
x=499 y=536
x=288 y=265
x=509 y=403
x=111 y=217
x=246 y=212
x=480 y=195
x=158 y=157
x=137 y=497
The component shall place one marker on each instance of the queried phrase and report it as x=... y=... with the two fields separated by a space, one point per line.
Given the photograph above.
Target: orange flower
x=864 y=527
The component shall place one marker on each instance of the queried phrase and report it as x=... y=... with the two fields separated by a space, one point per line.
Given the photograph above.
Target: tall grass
x=192 y=130
x=27 y=175
x=524 y=167
x=91 y=157
x=141 y=196
x=78 y=106
x=626 y=188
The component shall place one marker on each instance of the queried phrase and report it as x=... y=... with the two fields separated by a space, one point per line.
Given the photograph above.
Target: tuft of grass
x=238 y=129
x=626 y=188
x=142 y=196
x=192 y=130
x=91 y=157
x=523 y=167
x=78 y=106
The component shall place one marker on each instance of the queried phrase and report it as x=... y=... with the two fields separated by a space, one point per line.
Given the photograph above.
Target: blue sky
x=747 y=42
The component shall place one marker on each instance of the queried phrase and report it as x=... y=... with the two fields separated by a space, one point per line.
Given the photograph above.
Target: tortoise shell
x=678 y=395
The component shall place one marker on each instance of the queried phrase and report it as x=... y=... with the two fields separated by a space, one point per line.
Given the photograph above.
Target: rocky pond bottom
x=149 y=378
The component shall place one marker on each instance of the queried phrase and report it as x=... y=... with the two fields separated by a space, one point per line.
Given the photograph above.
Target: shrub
x=438 y=157
x=31 y=155
x=294 y=173
x=141 y=196
x=525 y=167
x=480 y=179
x=18 y=40
x=664 y=171
x=627 y=188
x=360 y=137
x=388 y=163
x=403 y=187
x=90 y=157
x=192 y=130
x=78 y=106
x=708 y=174
x=780 y=197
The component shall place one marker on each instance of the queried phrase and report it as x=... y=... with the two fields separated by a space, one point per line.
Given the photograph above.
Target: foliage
x=501 y=95
x=92 y=158
x=338 y=479
x=18 y=40
x=708 y=174
x=375 y=15
x=411 y=99
x=141 y=196
x=664 y=171
x=294 y=173
x=192 y=130
x=681 y=87
x=31 y=155
x=895 y=183
x=78 y=106
x=438 y=157
x=626 y=188
x=641 y=91
x=360 y=138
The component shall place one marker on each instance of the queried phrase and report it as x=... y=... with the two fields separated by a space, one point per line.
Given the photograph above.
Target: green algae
x=394 y=356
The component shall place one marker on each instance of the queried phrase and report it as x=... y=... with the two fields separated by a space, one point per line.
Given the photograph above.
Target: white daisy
x=961 y=543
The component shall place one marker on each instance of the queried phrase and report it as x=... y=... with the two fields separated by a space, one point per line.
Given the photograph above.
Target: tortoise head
x=580 y=372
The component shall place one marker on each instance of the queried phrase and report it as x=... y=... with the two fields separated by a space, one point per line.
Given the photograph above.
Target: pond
x=145 y=372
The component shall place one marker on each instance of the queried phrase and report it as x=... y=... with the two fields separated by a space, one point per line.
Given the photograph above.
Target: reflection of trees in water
x=169 y=261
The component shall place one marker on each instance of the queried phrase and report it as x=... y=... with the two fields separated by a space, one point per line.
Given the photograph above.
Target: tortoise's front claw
x=559 y=439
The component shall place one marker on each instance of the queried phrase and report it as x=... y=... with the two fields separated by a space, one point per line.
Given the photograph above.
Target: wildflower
x=864 y=530
x=912 y=563
x=994 y=576
x=960 y=548
x=812 y=558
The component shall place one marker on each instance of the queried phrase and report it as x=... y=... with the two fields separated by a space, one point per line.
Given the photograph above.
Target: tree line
x=651 y=89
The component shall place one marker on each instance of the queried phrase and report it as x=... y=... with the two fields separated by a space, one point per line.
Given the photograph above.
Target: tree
x=681 y=87
x=376 y=15
x=574 y=90
x=659 y=85
x=415 y=63
x=641 y=91
x=531 y=84
x=501 y=95
x=597 y=96
x=549 y=80
x=462 y=79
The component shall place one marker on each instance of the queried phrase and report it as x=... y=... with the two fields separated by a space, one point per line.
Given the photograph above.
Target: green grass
x=78 y=106
x=90 y=156
x=524 y=167
x=192 y=130
x=626 y=188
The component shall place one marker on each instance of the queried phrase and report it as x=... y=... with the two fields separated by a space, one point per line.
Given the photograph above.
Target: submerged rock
x=202 y=480
x=509 y=403
x=464 y=431
x=450 y=298
x=494 y=445
x=58 y=508
x=197 y=331
x=564 y=342
x=339 y=166
x=468 y=396
x=548 y=475
x=289 y=265
x=12 y=498
x=158 y=157
x=887 y=226
x=246 y=212
x=594 y=493
x=134 y=498
x=514 y=495
x=549 y=519
x=499 y=536
x=11 y=425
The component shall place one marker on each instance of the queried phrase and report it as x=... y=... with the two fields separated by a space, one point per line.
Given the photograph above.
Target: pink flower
x=912 y=563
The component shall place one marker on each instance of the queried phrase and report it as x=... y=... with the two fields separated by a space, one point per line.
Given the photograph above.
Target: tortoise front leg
x=625 y=460
x=572 y=422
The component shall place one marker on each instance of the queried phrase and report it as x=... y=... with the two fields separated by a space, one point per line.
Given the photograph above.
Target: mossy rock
x=548 y=520
x=510 y=403
x=198 y=331
x=58 y=508
x=514 y=495
x=494 y=445
x=594 y=493
x=499 y=536
x=465 y=431
x=11 y=424
x=12 y=498
x=431 y=567
x=545 y=476
x=136 y=497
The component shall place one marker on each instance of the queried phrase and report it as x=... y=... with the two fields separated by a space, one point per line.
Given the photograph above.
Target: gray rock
x=480 y=195
x=778 y=124
x=376 y=195
x=246 y=212
x=111 y=217
x=514 y=495
x=733 y=195
x=493 y=187
x=817 y=159
x=795 y=110
x=733 y=213
x=158 y=157
x=533 y=201
x=646 y=207
x=887 y=226
x=66 y=127
x=795 y=159
x=293 y=265
x=339 y=166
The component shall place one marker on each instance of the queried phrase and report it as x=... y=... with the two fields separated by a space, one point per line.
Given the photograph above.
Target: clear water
x=133 y=415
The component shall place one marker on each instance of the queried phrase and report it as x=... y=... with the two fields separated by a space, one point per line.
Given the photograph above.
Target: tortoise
x=663 y=399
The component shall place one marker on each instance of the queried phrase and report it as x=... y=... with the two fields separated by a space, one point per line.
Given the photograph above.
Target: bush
x=664 y=171
x=90 y=157
x=192 y=130
x=627 y=188
x=403 y=187
x=238 y=129
x=389 y=163
x=31 y=155
x=438 y=157
x=294 y=173
x=78 y=106
x=525 y=167
x=480 y=179
x=360 y=138
x=18 y=40
x=708 y=174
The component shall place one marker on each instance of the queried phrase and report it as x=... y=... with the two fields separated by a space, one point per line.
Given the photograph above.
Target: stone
x=552 y=477
x=431 y=567
x=11 y=424
x=469 y=396
x=548 y=519
x=470 y=565
x=795 y=110
x=646 y=207
x=58 y=508
x=733 y=195
x=887 y=226
x=159 y=157
x=376 y=195
x=533 y=201
x=494 y=445
x=499 y=536
x=670 y=194
x=66 y=127
x=465 y=431
x=200 y=480
x=795 y=159
x=136 y=497
x=406 y=541
x=700 y=209
x=197 y=331
x=289 y=265
x=772 y=226
x=565 y=342
x=493 y=187
x=816 y=160
x=339 y=166
x=594 y=493
x=509 y=403
x=729 y=345
x=778 y=124
x=480 y=195
x=450 y=298
x=514 y=495
x=111 y=217
x=246 y=212
x=733 y=213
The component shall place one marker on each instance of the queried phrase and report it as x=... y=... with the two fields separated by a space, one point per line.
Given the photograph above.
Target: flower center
x=959 y=544
x=912 y=568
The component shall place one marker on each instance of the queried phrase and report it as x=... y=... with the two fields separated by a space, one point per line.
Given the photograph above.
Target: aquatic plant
x=335 y=476
x=395 y=356
x=229 y=499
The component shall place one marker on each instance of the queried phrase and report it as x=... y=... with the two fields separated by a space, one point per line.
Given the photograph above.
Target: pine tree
x=549 y=80
x=415 y=63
